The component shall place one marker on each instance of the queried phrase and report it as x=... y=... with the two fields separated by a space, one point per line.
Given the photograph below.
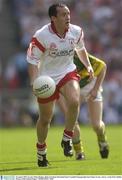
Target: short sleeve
x=80 y=43
x=35 y=50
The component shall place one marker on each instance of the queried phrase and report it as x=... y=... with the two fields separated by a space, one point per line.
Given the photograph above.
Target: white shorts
x=86 y=90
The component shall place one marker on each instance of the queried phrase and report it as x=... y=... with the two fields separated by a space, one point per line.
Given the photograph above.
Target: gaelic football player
x=91 y=93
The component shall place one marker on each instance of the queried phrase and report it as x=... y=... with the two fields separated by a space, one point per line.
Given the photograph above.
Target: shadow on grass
x=31 y=162
x=17 y=169
x=17 y=162
x=26 y=168
x=29 y=168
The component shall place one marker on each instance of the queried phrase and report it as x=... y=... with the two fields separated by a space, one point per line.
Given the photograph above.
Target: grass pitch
x=18 y=153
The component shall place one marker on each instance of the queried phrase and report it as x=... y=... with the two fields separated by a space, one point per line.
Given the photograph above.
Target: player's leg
x=77 y=143
x=71 y=93
x=96 y=112
x=45 y=116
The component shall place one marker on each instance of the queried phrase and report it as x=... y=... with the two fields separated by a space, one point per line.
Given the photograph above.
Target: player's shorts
x=85 y=91
x=69 y=76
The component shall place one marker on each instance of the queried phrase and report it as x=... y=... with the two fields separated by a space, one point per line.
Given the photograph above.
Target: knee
x=44 y=122
x=96 y=127
x=74 y=100
x=74 y=103
x=45 y=119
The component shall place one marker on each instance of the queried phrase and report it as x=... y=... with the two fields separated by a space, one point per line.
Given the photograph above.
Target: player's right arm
x=34 y=55
x=33 y=72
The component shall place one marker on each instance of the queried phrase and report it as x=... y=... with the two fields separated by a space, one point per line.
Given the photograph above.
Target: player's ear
x=53 y=19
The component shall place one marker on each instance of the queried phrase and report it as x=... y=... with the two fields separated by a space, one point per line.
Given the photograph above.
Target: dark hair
x=53 y=9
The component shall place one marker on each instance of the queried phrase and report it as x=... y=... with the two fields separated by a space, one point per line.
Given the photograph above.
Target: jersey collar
x=55 y=31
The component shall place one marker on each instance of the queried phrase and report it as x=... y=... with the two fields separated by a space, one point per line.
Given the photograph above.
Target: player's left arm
x=99 y=82
x=83 y=55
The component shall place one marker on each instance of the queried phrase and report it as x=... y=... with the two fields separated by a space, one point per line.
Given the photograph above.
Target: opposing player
x=91 y=92
x=51 y=53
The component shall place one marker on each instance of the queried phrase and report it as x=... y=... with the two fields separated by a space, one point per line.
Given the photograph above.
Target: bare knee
x=97 y=126
x=45 y=114
x=43 y=122
x=73 y=103
x=45 y=118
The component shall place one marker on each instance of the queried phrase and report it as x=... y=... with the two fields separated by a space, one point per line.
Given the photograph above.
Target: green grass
x=18 y=153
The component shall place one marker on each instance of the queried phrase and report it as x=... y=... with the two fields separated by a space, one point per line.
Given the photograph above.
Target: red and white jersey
x=53 y=54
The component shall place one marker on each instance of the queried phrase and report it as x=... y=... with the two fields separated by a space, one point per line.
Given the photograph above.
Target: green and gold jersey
x=97 y=65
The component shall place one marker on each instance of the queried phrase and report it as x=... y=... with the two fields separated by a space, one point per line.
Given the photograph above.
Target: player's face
x=63 y=17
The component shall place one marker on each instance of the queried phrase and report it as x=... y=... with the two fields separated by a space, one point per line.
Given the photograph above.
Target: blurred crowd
x=100 y=20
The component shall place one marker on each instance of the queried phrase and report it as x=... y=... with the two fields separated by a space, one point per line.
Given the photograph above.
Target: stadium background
x=19 y=19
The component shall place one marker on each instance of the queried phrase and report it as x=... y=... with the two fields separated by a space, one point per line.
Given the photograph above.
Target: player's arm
x=33 y=61
x=34 y=54
x=33 y=72
x=99 y=81
x=83 y=55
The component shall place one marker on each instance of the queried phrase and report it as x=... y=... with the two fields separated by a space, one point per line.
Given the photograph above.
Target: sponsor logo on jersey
x=55 y=52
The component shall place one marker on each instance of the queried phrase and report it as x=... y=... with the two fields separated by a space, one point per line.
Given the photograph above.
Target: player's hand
x=91 y=72
x=93 y=94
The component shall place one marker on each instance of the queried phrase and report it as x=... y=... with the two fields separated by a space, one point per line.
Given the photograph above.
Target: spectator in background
x=16 y=73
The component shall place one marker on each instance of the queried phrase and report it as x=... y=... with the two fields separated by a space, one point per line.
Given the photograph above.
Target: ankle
x=41 y=148
x=67 y=135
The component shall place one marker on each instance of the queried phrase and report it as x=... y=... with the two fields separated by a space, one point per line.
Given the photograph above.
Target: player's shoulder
x=42 y=32
x=75 y=29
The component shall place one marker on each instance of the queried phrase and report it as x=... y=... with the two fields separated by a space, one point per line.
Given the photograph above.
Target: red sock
x=67 y=135
x=41 y=148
